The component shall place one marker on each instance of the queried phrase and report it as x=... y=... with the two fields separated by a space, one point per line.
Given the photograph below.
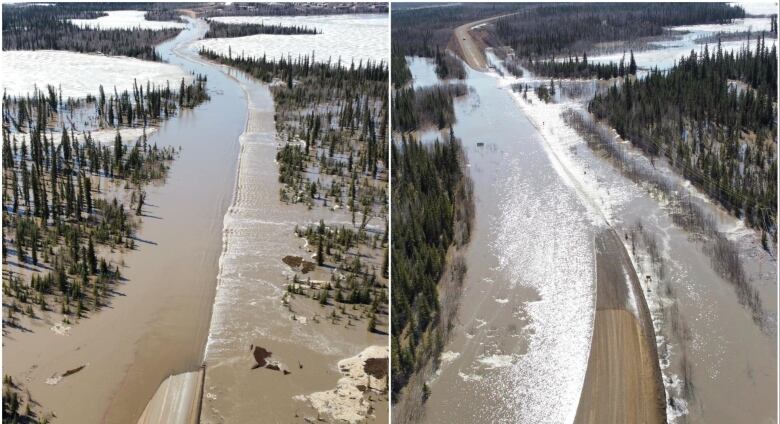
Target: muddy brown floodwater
x=158 y=323
x=718 y=364
x=309 y=354
x=519 y=350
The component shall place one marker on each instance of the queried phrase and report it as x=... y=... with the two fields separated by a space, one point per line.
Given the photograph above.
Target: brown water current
x=309 y=355
x=158 y=322
x=519 y=350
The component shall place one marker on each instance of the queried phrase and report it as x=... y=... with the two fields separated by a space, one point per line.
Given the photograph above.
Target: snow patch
x=347 y=402
x=25 y=70
x=125 y=19
x=496 y=361
x=61 y=329
x=351 y=38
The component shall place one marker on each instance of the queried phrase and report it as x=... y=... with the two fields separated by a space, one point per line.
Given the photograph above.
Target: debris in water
x=376 y=367
x=260 y=355
x=61 y=329
x=292 y=261
x=297 y=261
x=362 y=374
x=55 y=379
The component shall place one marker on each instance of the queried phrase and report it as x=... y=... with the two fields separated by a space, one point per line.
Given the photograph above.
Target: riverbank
x=157 y=323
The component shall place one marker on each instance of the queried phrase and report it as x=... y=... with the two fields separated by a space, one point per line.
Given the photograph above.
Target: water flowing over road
x=158 y=323
x=523 y=335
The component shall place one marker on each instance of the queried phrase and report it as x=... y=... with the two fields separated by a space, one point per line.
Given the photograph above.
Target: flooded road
x=158 y=323
x=718 y=364
x=520 y=347
x=249 y=311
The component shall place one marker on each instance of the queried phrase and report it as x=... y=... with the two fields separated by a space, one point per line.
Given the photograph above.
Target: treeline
x=686 y=211
x=139 y=108
x=165 y=14
x=576 y=68
x=46 y=28
x=57 y=212
x=359 y=283
x=719 y=134
x=291 y=9
x=421 y=31
x=222 y=30
x=422 y=107
x=303 y=68
x=430 y=193
x=545 y=30
x=400 y=70
x=448 y=66
x=335 y=121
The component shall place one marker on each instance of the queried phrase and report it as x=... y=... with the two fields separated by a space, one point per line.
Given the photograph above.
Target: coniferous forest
x=427 y=106
x=47 y=28
x=290 y=9
x=334 y=122
x=713 y=116
x=70 y=200
x=576 y=68
x=543 y=31
x=421 y=31
x=223 y=30
x=432 y=209
x=400 y=69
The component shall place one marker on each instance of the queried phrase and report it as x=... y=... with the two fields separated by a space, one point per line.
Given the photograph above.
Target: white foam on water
x=61 y=329
x=346 y=402
x=469 y=377
x=448 y=357
x=496 y=361
x=554 y=255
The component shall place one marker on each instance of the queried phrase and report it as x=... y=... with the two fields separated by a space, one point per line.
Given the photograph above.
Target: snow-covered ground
x=748 y=24
x=758 y=7
x=125 y=19
x=672 y=50
x=349 y=37
x=346 y=402
x=424 y=74
x=79 y=74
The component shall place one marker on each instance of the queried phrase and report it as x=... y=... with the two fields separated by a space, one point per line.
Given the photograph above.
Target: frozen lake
x=670 y=51
x=79 y=74
x=125 y=19
x=349 y=37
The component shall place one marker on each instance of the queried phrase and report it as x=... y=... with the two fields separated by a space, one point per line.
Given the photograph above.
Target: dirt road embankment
x=469 y=48
x=177 y=400
x=623 y=381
